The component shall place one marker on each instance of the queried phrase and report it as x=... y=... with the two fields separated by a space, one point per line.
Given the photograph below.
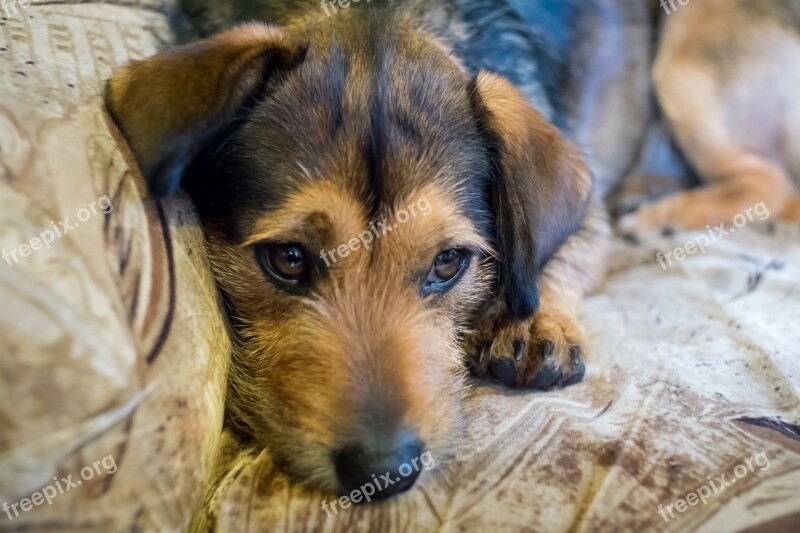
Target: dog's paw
x=544 y=353
x=641 y=189
x=651 y=219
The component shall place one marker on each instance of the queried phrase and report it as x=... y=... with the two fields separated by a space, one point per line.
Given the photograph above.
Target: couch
x=113 y=344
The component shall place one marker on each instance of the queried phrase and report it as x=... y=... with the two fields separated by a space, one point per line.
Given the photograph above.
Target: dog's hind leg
x=727 y=85
x=736 y=177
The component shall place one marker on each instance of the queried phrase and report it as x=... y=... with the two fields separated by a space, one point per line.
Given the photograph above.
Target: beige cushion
x=111 y=341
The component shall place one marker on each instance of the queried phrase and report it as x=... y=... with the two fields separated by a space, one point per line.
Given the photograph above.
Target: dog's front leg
x=546 y=351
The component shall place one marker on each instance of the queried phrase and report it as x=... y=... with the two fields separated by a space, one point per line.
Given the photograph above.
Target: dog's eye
x=446 y=266
x=286 y=262
x=446 y=269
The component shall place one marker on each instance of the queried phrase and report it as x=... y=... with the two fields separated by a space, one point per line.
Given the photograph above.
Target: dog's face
x=354 y=189
x=348 y=235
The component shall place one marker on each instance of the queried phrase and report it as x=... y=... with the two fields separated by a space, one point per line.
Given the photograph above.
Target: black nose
x=389 y=469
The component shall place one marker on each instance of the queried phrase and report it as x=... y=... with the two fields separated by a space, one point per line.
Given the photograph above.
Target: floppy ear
x=170 y=105
x=540 y=188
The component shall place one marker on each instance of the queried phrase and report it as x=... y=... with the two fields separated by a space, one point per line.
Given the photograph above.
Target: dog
x=302 y=139
x=725 y=77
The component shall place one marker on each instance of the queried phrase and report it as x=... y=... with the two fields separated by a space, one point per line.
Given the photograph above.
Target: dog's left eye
x=283 y=262
x=446 y=270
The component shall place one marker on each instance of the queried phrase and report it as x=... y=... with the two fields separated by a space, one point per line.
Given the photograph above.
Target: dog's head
x=362 y=197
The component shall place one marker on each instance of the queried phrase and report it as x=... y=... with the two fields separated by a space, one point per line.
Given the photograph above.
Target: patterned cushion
x=111 y=338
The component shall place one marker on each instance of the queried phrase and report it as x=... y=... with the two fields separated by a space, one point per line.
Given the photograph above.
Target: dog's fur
x=726 y=77
x=306 y=130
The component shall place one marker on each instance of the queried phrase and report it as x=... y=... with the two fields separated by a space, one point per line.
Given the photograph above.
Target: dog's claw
x=547 y=349
x=575 y=352
x=631 y=238
x=577 y=377
x=482 y=353
x=519 y=350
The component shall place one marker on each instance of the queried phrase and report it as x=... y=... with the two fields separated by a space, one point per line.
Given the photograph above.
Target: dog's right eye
x=284 y=263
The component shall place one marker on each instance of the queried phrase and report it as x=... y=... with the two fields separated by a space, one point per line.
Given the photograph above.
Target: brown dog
x=726 y=77
x=379 y=208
